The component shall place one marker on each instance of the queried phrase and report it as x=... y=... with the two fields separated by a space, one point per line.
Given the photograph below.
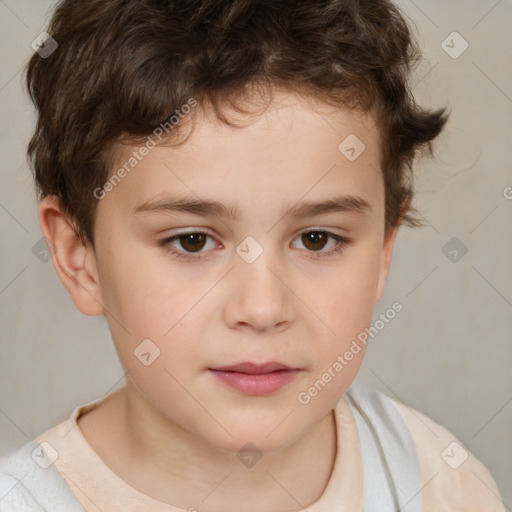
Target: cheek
x=171 y=321
x=344 y=308
x=344 y=304
x=147 y=295
x=344 y=299
x=153 y=313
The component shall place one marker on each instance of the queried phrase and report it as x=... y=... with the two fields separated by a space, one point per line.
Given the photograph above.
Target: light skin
x=173 y=431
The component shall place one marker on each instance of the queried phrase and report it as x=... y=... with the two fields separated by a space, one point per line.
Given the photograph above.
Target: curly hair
x=123 y=67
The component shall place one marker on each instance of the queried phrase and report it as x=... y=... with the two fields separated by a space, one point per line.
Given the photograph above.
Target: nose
x=259 y=299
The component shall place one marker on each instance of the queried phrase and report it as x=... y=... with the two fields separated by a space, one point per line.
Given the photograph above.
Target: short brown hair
x=122 y=68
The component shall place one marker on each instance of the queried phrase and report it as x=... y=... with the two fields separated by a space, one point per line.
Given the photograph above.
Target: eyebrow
x=205 y=208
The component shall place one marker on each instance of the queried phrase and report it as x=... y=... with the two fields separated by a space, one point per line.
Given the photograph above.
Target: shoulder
x=422 y=457
x=453 y=479
x=30 y=475
x=14 y=496
x=30 y=482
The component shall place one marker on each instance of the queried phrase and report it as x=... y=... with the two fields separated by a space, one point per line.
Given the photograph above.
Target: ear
x=385 y=260
x=74 y=262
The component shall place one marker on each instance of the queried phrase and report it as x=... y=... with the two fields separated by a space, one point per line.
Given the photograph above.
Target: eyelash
x=342 y=242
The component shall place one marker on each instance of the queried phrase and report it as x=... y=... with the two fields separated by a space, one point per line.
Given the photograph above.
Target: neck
x=172 y=465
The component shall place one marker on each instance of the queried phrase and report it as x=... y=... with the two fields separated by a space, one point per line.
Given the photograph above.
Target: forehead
x=296 y=147
x=290 y=120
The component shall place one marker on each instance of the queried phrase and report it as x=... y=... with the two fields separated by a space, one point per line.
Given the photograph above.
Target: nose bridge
x=259 y=296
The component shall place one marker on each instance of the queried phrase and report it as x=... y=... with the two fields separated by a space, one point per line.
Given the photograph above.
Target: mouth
x=254 y=368
x=256 y=379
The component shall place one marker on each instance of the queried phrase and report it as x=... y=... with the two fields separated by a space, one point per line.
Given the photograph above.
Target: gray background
x=447 y=354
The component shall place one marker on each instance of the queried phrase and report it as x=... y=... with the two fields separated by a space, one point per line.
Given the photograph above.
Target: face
x=262 y=278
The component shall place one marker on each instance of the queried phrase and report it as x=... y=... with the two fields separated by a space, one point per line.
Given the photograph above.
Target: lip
x=256 y=379
x=254 y=368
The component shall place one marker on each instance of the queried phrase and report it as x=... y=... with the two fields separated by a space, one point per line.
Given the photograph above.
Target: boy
x=224 y=181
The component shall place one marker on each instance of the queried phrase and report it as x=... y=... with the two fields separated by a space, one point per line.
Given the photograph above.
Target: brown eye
x=188 y=245
x=192 y=242
x=315 y=240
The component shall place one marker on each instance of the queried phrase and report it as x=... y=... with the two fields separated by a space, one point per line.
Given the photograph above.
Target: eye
x=194 y=241
x=315 y=240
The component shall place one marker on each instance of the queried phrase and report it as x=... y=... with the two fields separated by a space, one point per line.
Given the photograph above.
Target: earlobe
x=75 y=263
x=385 y=261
